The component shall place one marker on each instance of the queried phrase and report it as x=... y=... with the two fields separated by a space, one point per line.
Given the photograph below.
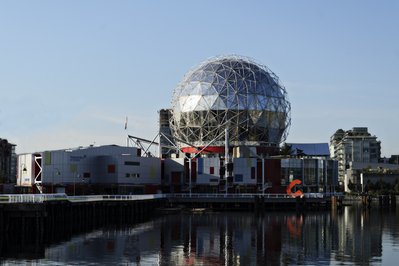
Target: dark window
x=132 y=163
x=253 y=172
x=222 y=171
x=111 y=169
x=230 y=167
x=86 y=175
x=238 y=178
x=212 y=170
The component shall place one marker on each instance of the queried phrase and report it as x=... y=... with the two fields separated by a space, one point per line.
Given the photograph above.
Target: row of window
x=135 y=175
x=112 y=167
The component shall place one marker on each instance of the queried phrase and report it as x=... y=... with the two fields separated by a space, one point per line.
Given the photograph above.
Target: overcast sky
x=71 y=71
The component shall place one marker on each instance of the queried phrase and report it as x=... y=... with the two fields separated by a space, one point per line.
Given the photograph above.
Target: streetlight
x=23 y=172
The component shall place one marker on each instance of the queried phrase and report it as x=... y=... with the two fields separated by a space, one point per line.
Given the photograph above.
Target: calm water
x=351 y=236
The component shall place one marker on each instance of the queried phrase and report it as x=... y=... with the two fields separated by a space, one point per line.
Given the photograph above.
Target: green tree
x=286 y=149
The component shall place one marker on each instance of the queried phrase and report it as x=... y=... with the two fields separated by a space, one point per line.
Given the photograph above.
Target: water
x=353 y=236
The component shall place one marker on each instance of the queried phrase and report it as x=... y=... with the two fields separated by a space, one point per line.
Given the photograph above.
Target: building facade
x=355 y=145
x=318 y=175
x=113 y=169
x=107 y=169
x=359 y=174
x=7 y=162
x=249 y=175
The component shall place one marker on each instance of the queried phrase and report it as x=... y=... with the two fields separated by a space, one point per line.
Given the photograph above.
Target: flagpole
x=127 y=136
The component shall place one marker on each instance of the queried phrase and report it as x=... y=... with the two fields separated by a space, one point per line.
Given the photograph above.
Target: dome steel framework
x=233 y=92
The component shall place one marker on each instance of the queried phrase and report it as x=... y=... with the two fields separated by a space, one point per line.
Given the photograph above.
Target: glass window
x=132 y=163
x=211 y=170
x=238 y=178
x=111 y=169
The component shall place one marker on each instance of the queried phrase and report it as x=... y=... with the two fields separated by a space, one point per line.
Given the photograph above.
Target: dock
x=29 y=221
x=253 y=201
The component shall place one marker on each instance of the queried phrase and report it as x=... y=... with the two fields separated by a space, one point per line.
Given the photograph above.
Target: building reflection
x=352 y=235
x=360 y=234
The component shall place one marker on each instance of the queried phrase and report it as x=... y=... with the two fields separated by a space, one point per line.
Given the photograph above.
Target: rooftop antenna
x=127 y=139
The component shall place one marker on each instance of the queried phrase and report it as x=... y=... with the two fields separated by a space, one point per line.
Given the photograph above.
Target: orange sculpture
x=297 y=193
x=294 y=225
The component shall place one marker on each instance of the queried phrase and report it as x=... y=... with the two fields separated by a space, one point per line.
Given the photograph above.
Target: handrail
x=251 y=195
x=40 y=198
x=224 y=195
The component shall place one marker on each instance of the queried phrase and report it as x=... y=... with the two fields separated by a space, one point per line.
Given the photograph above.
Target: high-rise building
x=7 y=162
x=355 y=145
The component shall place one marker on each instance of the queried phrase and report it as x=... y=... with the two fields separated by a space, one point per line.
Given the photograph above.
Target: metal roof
x=310 y=149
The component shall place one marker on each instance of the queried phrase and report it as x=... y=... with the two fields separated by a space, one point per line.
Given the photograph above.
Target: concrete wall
x=25 y=170
x=208 y=170
x=245 y=171
x=94 y=165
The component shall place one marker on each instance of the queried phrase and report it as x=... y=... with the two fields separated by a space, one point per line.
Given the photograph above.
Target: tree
x=286 y=149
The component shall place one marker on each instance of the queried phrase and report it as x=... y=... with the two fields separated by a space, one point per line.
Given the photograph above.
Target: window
x=86 y=175
x=132 y=163
x=111 y=169
x=127 y=175
x=239 y=178
x=253 y=170
x=212 y=170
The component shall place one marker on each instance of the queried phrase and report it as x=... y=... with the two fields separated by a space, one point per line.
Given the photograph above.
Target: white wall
x=206 y=176
x=173 y=165
x=91 y=165
x=25 y=170
x=147 y=170
x=242 y=166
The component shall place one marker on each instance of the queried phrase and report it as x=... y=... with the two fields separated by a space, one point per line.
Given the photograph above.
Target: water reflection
x=352 y=236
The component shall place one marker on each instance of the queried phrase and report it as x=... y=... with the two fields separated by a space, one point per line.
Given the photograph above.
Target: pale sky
x=71 y=71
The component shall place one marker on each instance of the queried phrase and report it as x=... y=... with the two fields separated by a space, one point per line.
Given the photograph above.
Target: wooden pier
x=29 y=222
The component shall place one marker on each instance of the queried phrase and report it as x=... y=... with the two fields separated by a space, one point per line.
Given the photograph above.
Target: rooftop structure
x=310 y=149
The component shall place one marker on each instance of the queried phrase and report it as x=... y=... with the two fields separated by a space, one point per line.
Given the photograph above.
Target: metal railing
x=248 y=195
x=224 y=195
x=40 y=198
x=31 y=198
x=134 y=197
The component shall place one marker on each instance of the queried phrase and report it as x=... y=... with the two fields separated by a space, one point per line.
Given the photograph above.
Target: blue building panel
x=310 y=149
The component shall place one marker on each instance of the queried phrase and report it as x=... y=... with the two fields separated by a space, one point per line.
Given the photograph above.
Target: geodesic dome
x=233 y=92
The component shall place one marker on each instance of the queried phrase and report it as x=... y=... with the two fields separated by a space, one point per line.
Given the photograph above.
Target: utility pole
x=226 y=155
